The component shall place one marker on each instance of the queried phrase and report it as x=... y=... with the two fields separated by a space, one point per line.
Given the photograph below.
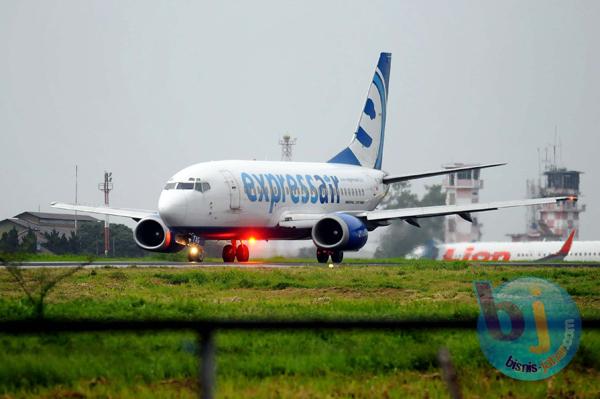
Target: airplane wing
x=410 y=215
x=135 y=214
x=464 y=211
x=389 y=179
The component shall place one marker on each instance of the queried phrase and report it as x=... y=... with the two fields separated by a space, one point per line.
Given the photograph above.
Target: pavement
x=257 y=264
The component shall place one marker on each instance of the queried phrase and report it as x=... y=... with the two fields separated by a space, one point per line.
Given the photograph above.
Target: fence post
x=207 y=363
x=449 y=373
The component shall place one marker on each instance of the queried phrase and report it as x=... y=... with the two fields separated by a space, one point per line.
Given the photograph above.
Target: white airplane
x=333 y=203
x=538 y=251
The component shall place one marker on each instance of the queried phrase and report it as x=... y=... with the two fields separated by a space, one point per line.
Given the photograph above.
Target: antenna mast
x=76 y=199
x=287 y=143
x=106 y=187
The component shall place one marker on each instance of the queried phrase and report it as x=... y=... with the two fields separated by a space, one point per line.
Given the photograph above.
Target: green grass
x=284 y=364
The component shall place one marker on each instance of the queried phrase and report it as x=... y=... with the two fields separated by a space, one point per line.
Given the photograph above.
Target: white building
x=462 y=188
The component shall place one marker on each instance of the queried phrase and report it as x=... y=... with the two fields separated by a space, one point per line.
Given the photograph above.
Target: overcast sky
x=145 y=88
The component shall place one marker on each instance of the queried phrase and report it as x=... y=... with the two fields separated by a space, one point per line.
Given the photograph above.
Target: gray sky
x=146 y=88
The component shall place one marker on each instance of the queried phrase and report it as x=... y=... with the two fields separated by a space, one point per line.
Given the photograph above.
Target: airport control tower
x=462 y=188
x=552 y=222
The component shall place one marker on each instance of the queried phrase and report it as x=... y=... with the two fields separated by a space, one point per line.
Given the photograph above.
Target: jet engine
x=340 y=232
x=151 y=234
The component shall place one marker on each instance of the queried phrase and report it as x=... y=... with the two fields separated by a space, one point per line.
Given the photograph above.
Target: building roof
x=59 y=216
x=18 y=222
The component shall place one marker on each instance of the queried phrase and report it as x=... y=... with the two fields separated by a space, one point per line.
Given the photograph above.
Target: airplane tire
x=242 y=253
x=337 y=256
x=228 y=253
x=197 y=257
x=322 y=256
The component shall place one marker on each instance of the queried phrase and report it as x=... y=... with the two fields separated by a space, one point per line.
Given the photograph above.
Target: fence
x=206 y=329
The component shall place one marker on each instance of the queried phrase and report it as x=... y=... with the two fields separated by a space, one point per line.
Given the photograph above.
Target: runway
x=141 y=264
x=258 y=264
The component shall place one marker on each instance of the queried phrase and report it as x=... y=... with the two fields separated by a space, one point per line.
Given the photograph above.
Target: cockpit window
x=185 y=186
x=170 y=186
x=201 y=186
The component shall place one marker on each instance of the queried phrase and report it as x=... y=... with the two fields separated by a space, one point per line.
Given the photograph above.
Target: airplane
x=536 y=251
x=334 y=203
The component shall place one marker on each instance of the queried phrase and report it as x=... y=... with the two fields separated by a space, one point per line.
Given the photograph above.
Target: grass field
x=252 y=364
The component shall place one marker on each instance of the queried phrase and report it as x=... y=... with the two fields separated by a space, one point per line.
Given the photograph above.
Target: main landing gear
x=232 y=251
x=324 y=254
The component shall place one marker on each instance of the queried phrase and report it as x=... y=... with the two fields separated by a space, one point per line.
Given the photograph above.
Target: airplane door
x=234 y=189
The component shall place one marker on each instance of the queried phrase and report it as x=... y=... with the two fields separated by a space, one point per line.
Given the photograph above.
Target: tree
x=28 y=243
x=401 y=237
x=9 y=242
x=122 y=243
x=91 y=240
x=56 y=243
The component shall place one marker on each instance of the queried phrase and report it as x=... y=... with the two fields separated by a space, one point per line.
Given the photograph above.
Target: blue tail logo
x=366 y=147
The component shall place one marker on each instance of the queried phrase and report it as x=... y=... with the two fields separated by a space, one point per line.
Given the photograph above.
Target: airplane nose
x=172 y=207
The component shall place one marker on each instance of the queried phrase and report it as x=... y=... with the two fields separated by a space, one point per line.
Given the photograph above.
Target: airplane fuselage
x=517 y=251
x=242 y=199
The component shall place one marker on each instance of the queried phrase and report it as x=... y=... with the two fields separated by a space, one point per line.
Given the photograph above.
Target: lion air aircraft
x=513 y=251
x=333 y=203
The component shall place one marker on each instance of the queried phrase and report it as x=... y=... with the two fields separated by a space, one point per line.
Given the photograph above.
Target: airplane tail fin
x=564 y=250
x=366 y=147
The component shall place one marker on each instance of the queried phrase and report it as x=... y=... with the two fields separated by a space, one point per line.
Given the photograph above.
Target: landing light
x=194 y=250
x=251 y=240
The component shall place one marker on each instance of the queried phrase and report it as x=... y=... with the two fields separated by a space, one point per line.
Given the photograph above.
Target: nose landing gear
x=323 y=255
x=233 y=251
x=195 y=253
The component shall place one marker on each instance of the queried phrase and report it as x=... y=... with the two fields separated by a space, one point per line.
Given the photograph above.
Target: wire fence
x=206 y=329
